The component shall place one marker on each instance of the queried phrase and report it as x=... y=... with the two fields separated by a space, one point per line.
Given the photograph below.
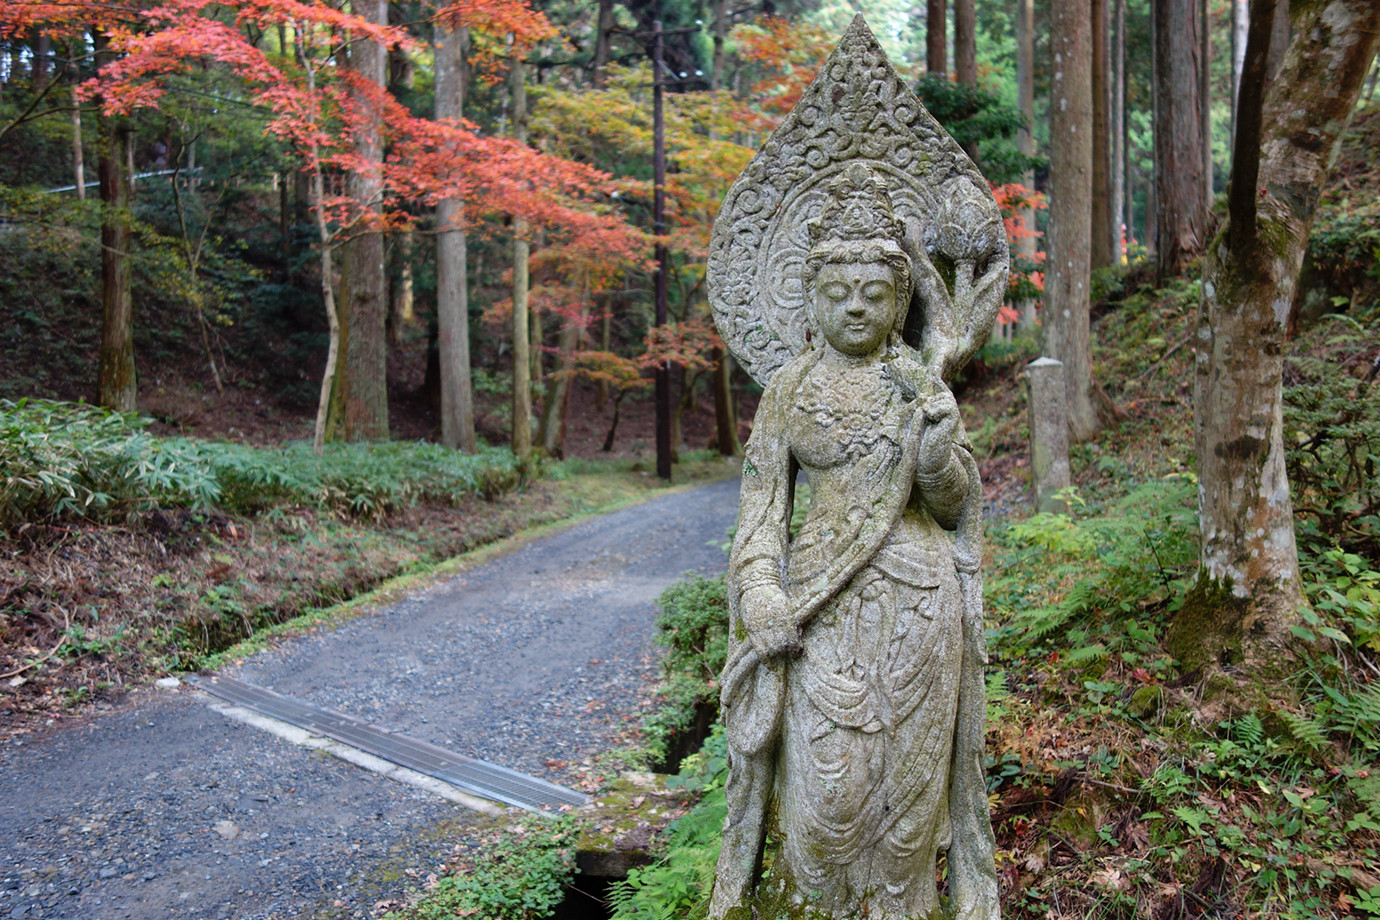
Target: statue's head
x=857 y=276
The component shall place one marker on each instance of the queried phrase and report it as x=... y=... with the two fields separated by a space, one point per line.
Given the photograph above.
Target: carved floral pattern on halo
x=857 y=110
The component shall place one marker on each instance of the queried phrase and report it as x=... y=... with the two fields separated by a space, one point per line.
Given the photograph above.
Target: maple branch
x=25 y=115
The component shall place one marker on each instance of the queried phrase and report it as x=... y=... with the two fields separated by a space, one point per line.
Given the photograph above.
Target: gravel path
x=167 y=809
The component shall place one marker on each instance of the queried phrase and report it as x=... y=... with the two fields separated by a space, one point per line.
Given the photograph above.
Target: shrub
x=71 y=460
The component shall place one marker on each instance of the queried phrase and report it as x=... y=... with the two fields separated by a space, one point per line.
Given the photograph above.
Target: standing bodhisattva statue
x=856 y=265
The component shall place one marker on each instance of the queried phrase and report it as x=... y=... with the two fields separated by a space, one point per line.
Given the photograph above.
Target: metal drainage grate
x=477 y=776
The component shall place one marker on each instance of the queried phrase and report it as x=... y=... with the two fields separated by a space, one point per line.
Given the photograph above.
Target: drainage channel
x=478 y=777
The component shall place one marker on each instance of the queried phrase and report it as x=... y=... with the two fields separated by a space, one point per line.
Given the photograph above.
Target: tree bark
x=452 y=293
x=78 y=156
x=1249 y=592
x=522 y=380
x=116 y=381
x=725 y=418
x=1025 y=136
x=558 y=387
x=965 y=42
x=1066 y=319
x=365 y=382
x=1181 y=225
x=602 y=43
x=1205 y=93
x=936 y=36
x=1120 y=218
x=716 y=74
x=1101 y=252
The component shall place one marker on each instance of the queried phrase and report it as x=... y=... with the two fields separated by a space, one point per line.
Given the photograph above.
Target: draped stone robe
x=870 y=743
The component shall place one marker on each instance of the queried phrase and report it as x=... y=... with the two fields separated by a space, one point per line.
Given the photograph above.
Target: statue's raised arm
x=856 y=264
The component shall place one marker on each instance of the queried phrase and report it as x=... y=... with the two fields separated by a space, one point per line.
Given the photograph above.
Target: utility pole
x=663 y=370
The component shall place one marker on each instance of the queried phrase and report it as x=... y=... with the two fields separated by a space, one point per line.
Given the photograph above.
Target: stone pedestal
x=1049 y=433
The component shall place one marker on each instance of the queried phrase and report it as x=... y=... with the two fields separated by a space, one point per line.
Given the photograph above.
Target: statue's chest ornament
x=852 y=411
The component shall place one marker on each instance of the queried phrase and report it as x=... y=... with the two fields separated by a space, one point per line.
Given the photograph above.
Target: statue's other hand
x=770 y=628
x=941 y=426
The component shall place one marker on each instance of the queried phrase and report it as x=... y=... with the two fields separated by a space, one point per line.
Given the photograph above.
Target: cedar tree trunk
x=1025 y=136
x=1181 y=223
x=1066 y=320
x=522 y=376
x=116 y=383
x=452 y=295
x=936 y=36
x=1101 y=139
x=365 y=381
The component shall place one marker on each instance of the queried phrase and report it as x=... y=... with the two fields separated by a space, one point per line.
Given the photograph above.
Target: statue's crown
x=858 y=208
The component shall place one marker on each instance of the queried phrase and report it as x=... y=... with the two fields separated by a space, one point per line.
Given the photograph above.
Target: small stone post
x=1049 y=433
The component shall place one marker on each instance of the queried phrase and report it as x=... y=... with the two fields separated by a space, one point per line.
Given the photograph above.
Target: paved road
x=166 y=808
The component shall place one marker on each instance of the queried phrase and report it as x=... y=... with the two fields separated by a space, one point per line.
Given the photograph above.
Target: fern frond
x=1249 y=730
x=1304 y=729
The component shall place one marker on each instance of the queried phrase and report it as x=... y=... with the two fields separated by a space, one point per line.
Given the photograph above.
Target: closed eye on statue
x=835 y=290
x=877 y=291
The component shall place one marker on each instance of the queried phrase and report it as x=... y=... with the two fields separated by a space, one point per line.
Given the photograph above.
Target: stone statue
x=856 y=264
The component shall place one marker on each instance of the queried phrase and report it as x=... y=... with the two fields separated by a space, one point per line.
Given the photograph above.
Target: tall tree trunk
x=1118 y=127
x=1205 y=93
x=558 y=387
x=1101 y=253
x=725 y=418
x=78 y=155
x=1248 y=592
x=602 y=43
x=1026 y=247
x=522 y=380
x=452 y=293
x=116 y=382
x=1066 y=319
x=403 y=311
x=716 y=73
x=43 y=63
x=1152 y=210
x=936 y=36
x=1181 y=227
x=965 y=42
x=365 y=383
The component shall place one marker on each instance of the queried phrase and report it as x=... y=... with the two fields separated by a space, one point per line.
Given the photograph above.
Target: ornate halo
x=857 y=110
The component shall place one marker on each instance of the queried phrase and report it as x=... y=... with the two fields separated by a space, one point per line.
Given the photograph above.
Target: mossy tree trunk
x=1249 y=590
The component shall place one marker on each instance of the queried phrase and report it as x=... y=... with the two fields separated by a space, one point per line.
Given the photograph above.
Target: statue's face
x=855 y=305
